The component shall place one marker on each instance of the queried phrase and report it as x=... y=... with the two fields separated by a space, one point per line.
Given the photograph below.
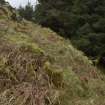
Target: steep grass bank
x=38 y=67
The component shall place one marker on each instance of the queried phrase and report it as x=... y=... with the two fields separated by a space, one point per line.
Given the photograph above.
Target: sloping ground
x=37 y=67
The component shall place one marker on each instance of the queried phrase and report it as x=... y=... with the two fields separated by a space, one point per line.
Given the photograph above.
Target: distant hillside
x=38 y=67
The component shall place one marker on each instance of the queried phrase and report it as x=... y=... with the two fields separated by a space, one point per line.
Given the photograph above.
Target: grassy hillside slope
x=38 y=67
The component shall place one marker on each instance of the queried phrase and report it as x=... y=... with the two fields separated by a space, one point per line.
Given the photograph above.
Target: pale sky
x=17 y=3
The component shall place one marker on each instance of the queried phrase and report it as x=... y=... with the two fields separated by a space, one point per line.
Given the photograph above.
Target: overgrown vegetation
x=82 y=21
x=38 y=67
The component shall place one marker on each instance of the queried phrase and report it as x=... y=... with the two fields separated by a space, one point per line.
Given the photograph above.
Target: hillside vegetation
x=38 y=67
x=81 y=21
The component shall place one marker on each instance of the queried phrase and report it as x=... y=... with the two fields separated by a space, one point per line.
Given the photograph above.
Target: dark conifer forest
x=81 y=21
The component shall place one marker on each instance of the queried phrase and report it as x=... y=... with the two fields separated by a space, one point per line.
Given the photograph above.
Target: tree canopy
x=27 y=12
x=82 y=21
